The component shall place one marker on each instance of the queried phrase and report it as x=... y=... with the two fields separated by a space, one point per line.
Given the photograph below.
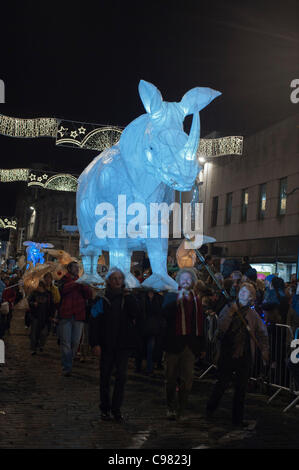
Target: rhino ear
x=150 y=97
x=197 y=98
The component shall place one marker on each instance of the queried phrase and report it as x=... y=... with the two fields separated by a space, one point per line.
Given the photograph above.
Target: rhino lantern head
x=162 y=148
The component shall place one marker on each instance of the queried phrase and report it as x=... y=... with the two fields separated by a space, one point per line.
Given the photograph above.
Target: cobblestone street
x=41 y=409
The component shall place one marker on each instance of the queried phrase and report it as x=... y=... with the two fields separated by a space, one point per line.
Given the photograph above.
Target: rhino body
x=153 y=158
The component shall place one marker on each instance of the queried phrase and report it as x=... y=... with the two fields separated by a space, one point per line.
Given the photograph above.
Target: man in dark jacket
x=72 y=313
x=184 y=341
x=112 y=337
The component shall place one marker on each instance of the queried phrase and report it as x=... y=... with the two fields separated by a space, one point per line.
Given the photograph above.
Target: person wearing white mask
x=240 y=330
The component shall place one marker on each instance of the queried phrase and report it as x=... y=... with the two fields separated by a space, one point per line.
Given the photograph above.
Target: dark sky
x=73 y=61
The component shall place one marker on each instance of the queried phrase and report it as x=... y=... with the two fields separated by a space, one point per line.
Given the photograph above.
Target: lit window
x=228 y=212
x=244 y=205
x=262 y=201
x=282 y=206
x=214 y=211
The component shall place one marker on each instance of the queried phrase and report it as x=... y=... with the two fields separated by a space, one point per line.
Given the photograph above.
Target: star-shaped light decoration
x=14 y=222
x=61 y=131
x=39 y=178
x=74 y=134
x=32 y=177
x=5 y=220
x=45 y=176
x=82 y=130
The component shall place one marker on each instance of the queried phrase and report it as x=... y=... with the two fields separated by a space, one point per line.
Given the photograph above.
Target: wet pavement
x=41 y=409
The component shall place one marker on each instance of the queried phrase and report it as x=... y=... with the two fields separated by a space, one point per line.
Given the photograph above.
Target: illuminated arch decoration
x=99 y=137
x=58 y=182
x=62 y=182
x=87 y=136
x=8 y=222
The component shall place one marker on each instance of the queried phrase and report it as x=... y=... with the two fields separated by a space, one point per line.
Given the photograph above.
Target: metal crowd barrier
x=210 y=331
x=277 y=374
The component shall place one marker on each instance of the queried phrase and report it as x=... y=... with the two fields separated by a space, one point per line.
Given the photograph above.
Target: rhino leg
x=91 y=275
x=157 y=252
x=121 y=258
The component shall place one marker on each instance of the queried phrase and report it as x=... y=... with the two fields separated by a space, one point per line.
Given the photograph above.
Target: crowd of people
x=163 y=330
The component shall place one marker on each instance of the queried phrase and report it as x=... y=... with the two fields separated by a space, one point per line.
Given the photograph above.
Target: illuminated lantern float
x=153 y=157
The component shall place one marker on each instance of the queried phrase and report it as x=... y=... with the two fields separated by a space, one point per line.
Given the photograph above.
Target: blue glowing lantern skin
x=34 y=253
x=153 y=157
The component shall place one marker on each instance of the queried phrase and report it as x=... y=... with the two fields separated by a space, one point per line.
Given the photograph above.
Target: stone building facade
x=41 y=214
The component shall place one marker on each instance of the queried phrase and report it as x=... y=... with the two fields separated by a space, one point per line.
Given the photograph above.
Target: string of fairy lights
x=100 y=137
x=84 y=136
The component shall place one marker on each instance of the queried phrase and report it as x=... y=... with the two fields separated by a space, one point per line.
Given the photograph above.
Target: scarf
x=187 y=309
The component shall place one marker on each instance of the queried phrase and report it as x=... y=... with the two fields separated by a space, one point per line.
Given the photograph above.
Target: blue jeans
x=70 y=332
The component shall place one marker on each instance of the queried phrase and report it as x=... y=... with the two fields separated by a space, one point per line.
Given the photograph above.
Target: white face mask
x=245 y=297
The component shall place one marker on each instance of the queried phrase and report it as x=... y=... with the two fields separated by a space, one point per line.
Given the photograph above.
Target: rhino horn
x=189 y=150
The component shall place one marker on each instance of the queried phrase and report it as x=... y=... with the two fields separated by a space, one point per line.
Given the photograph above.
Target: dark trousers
x=226 y=369
x=38 y=334
x=109 y=360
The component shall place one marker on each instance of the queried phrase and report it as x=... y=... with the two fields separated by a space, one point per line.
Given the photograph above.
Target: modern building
x=251 y=202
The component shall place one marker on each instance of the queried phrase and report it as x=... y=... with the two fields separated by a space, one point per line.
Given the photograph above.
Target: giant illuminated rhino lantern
x=153 y=157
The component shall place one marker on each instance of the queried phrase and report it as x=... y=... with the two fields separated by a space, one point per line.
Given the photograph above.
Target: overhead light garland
x=56 y=182
x=8 y=222
x=99 y=137
x=28 y=128
x=17 y=174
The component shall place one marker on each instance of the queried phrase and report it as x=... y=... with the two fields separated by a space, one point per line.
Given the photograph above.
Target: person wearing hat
x=184 y=341
x=240 y=330
x=112 y=337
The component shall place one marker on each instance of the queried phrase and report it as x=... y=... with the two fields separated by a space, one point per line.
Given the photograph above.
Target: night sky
x=71 y=61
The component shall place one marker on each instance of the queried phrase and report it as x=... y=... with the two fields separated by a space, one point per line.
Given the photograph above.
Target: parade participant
x=245 y=265
x=236 y=278
x=293 y=315
x=2 y=286
x=41 y=309
x=72 y=313
x=9 y=295
x=112 y=337
x=151 y=331
x=48 y=280
x=237 y=350
x=184 y=341
x=275 y=302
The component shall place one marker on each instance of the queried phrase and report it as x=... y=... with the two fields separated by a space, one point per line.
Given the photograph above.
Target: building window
x=59 y=217
x=244 y=205
x=228 y=211
x=214 y=211
x=262 y=201
x=282 y=205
